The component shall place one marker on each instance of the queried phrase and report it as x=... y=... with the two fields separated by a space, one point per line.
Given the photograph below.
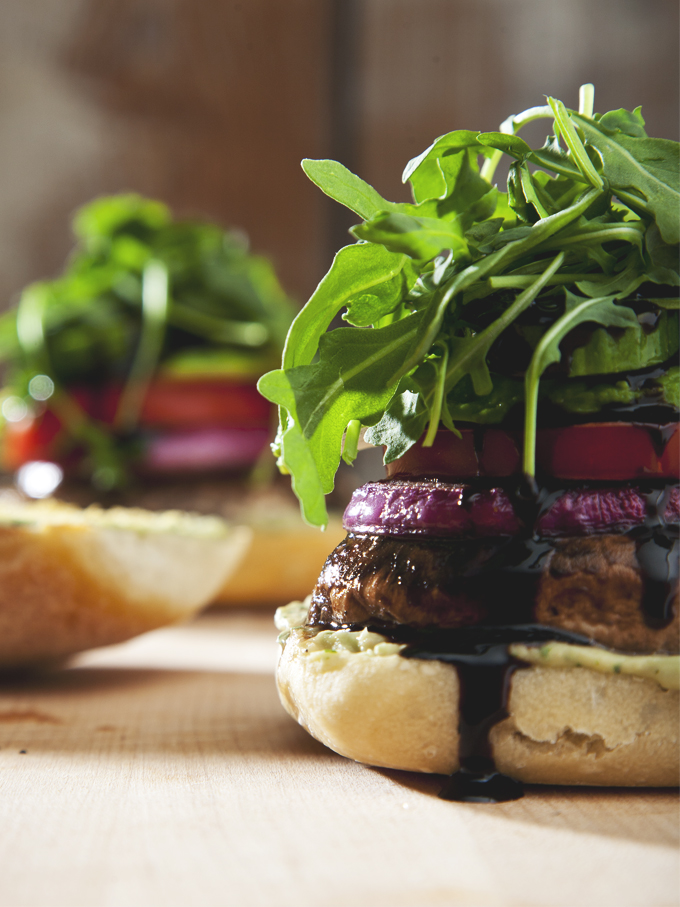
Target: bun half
x=565 y=725
x=73 y=579
x=380 y=709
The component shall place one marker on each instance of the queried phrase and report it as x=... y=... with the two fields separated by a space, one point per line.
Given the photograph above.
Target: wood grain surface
x=164 y=772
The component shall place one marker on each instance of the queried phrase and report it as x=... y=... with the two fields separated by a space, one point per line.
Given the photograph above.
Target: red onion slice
x=429 y=508
x=586 y=511
x=439 y=509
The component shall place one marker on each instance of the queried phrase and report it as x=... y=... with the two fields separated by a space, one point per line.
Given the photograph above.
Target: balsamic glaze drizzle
x=658 y=553
x=484 y=666
x=656 y=541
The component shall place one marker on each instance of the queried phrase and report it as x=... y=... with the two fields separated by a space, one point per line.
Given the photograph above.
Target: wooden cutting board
x=164 y=772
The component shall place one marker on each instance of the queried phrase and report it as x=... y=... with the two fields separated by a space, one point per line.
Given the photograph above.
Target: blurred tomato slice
x=189 y=404
x=170 y=405
x=30 y=439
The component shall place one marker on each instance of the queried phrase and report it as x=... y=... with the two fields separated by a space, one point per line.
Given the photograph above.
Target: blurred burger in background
x=131 y=379
x=142 y=357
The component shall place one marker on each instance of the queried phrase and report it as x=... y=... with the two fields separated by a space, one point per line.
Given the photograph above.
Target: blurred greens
x=142 y=292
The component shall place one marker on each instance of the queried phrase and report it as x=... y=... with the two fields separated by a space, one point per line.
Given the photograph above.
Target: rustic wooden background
x=211 y=104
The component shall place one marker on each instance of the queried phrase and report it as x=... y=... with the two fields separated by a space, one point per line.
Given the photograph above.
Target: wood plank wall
x=211 y=104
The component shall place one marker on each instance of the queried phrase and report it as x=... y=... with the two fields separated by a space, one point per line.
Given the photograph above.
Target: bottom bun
x=358 y=696
x=575 y=726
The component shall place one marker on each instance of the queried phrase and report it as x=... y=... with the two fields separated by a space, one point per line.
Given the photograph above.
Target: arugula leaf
x=523 y=196
x=346 y=383
x=98 y=223
x=620 y=283
x=664 y=258
x=601 y=310
x=350 y=446
x=634 y=349
x=355 y=269
x=432 y=174
x=489 y=265
x=511 y=145
x=470 y=197
x=670 y=382
x=420 y=237
x=468 y=357
x=626 y=121
x=473 y=355
x=342 y=185
x=643 y=172
x=9 y=342
x=370 y=308
x=667 y=303
x=154 y=320
x=298 y=459
x=576 y=147
x=464 y=404
x=402 y=424
x=461 y=265
x=438 y=394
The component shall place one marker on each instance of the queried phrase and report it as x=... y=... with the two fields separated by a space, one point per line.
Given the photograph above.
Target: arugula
x=438 y=290
x=345 y=187
x=355 y=270
x=643 y=172
x=346 y=384
x=577 y=311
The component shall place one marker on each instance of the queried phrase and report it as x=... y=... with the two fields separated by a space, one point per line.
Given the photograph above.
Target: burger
x=504 y=607
x=141 y=358
x=129 y=379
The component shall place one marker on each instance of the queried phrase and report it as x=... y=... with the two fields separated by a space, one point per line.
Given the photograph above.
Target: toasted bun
x=281 y=563
x=565 y=725
x=72 y=579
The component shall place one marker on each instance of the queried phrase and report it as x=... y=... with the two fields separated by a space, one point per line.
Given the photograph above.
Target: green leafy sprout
x=432 y=287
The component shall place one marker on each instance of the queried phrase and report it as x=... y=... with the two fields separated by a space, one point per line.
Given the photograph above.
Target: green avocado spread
x=662 y=669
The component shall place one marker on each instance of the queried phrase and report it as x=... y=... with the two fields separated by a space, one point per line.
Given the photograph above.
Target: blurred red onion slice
x=210 y=448
x=438 y=509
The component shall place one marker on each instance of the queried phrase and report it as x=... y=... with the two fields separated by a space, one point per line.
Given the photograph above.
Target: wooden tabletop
x=164 y=772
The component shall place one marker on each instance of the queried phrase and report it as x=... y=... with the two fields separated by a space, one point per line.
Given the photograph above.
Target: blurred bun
x=282 y=560
x=72 y=579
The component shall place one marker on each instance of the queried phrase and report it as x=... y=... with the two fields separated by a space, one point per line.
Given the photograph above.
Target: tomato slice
x=609 y=450
x=615 y=451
